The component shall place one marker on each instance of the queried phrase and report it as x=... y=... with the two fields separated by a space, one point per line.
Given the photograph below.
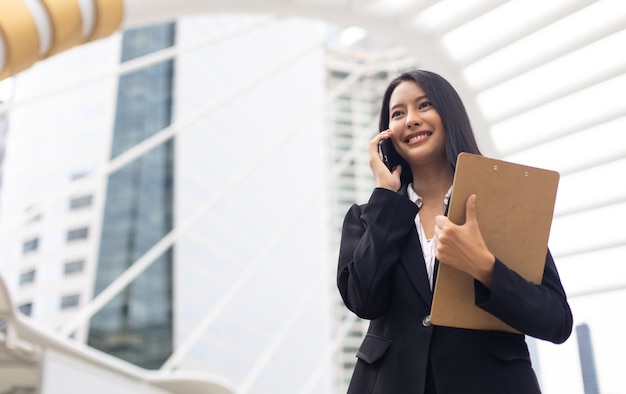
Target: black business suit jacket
x=382 y=277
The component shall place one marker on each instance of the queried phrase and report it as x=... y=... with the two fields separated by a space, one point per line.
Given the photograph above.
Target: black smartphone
x=388 y=154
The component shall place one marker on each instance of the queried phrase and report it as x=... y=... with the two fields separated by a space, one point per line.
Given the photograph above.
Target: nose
x=413 y=119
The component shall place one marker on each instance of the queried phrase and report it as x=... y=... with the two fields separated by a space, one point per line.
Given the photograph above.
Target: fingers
x=375 y=159
x=463 y=247
x=384 y=178
x=397 y=171
x=383 y=135
x=441 y=223
x=470 y=209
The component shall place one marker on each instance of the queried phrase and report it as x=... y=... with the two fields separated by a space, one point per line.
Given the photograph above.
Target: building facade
x=587 y=359
x=195 y=149
x=137 y=324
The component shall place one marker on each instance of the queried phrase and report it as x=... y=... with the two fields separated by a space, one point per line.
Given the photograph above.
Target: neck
x=431 y=182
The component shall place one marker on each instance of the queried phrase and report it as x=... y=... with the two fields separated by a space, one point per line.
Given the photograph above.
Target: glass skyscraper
x=587 y=359
x=137 y=324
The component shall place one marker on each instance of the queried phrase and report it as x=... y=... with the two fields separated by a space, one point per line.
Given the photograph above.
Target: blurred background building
x=224 y=189
x=587 y=359
x=171 y=195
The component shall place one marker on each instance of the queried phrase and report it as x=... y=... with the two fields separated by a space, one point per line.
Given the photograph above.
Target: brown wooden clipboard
x=514 y=207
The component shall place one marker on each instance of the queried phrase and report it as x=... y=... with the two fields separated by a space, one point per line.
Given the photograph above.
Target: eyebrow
x=416 y=100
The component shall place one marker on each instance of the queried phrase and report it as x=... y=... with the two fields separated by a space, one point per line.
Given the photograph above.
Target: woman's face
x=418 y=132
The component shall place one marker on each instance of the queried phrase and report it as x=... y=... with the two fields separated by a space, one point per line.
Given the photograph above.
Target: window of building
x=26 y=309
x=77 y=175
x=33 y=214
x=27 y=277
x=73 y=267
x=350 y=349
x=70 y=301
x=31 y=245
x=81 y=202
x=339 y=74
x=34 y=219
x=77 y=234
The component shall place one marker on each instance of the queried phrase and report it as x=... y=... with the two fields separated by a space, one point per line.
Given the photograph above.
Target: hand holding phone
x=388 y=154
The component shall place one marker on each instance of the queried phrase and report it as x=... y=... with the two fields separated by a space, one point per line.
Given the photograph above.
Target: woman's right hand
x=384 y=178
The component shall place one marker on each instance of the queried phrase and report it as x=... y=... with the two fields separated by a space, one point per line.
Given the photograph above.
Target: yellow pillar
x=21 y=39
x=109 y=16
x=67 y=24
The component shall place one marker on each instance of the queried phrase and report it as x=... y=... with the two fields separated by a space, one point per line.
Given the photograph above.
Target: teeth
x=418 y=137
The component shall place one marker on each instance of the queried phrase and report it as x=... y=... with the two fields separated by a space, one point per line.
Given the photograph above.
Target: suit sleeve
x=541 y=311
x=370 y=246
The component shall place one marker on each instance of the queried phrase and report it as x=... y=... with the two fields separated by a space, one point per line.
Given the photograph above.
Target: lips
x=417 y=137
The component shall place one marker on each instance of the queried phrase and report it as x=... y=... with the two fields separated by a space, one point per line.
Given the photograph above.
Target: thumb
x=470 y=209
x=397 y=170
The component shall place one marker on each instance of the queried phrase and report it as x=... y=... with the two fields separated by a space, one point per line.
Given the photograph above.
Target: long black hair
x=456 y=123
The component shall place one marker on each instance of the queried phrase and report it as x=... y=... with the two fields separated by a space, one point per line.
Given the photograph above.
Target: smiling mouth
x=414 y=138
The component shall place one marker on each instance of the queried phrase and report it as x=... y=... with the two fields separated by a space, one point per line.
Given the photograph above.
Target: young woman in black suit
x=390 y=248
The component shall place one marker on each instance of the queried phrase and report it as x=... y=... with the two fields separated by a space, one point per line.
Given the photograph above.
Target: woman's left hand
x=463 y=246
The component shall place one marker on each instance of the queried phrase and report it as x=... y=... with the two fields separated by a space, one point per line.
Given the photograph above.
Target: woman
x=389 y=252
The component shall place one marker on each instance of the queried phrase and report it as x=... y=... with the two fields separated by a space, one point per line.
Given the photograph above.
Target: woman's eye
x=425 y=104
x=396 y=114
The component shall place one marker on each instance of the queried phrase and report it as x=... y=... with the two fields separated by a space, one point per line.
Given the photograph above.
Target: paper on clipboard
x=514 y=207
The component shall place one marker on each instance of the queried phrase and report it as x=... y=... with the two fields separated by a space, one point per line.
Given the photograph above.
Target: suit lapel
x=412 y=259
